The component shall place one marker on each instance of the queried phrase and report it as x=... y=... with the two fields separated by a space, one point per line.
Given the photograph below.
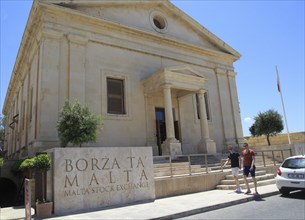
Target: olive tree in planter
x=77 y=124
x=42 y=164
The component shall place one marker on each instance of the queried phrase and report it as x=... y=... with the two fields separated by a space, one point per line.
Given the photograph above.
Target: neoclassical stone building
x=157 y=77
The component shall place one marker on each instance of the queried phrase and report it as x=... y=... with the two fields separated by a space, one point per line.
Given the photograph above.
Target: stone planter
x=44 y=210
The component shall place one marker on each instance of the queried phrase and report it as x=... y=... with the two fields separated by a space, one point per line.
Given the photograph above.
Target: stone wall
x=88 y=178
x=280 y=139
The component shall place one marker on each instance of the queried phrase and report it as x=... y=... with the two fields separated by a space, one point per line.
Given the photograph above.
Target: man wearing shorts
x=248 y=161
x=234 y=157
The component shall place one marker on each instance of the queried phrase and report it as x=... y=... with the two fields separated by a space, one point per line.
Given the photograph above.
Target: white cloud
x=249 y=121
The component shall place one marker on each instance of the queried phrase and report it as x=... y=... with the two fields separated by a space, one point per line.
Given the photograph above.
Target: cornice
x=166 y=3
x=87 y=20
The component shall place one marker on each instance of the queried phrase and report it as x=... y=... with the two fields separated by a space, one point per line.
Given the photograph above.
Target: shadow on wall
x=8 y=192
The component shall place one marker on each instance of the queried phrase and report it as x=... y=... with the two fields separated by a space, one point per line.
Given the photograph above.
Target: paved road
x=275 y=207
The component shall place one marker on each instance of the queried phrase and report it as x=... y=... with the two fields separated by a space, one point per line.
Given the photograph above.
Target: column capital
x=220 y=71
x=166 y=86
x=78 y=39
x=201 y=91
x=231 y=73
x=49 y=33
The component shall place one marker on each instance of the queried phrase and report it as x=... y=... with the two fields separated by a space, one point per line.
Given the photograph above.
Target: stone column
x=170 y=132
x=48 y=87
x=206 y=145
x=203 y=116
x=171 y=146
x=77 y=61
x=150 y=124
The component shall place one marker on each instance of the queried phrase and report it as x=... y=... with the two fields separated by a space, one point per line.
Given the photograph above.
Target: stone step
x=178 y=169
x=175 y=173
x=167 y=165
x=240 y=175
x=157 y=169
x=241 y=180
x=243 y=186
x=159 y=172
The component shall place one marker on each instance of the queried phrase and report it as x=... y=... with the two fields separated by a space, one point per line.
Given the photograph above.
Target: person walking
x=234 y=157
x=248 y=161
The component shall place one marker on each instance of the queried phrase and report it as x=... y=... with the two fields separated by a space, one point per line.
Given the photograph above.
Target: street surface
x=275 y=207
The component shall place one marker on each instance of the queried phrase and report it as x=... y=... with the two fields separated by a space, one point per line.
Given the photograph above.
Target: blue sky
x=265 y=33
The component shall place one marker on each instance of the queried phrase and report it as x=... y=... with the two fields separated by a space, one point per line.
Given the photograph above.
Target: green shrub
x=1 y=162
x=42 y=162
x=27 y=164
x=77 y=124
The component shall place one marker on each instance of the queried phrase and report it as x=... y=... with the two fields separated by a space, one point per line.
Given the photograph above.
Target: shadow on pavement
x=300 y=194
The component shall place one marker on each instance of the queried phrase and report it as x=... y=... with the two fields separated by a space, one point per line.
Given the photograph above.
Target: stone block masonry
x=89 y=178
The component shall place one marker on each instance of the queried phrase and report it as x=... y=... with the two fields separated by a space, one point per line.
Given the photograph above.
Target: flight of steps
x=181 y=167
x=175 y=169
x=262 y=179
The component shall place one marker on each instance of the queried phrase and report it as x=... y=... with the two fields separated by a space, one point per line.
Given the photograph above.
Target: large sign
x=87 y=178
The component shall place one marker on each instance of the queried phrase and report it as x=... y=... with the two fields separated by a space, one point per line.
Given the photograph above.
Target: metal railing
x=194 y=161
x=207 y=163
x=274 y=157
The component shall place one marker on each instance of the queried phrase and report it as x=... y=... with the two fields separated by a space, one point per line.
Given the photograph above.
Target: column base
x=207 y=147
x=171 y=147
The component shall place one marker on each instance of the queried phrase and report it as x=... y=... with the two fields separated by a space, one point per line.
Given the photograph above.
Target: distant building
x=157 y=76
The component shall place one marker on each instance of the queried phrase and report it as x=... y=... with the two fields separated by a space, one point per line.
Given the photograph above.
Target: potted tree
x=42 y=164
x=27 y=166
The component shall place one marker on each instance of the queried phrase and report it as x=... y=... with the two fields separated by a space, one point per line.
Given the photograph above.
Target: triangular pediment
x=185 y=70
x=140 y=14
x=178 y=77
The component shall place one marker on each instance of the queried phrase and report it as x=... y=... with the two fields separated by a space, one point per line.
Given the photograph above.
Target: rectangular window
x=207 y=107
x=115 y=96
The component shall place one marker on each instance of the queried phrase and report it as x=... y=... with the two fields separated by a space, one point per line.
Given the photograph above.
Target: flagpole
x=279 y=89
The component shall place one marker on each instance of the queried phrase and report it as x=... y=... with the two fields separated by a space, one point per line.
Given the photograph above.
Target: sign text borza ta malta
x=96 y=177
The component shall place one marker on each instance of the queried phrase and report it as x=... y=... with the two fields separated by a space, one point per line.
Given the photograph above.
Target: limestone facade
x=175 y=84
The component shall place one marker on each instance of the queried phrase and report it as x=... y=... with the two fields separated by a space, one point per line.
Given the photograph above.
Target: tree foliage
x=268 y=123
x=77 y=125
x=28 y=163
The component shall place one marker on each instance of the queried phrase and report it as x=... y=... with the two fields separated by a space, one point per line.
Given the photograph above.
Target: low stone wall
x=187 y=184
x=176 y=186
x=280 y=139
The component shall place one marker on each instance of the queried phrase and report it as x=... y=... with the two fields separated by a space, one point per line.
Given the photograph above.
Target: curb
x=215 y=207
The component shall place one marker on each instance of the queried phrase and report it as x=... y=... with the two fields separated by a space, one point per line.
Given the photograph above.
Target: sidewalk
x=166 y=208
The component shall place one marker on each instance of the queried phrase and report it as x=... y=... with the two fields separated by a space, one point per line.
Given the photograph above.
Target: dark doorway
x=161 y=128
x=8 y=192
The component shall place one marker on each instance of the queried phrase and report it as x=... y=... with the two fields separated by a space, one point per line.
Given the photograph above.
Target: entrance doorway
x=161 y=127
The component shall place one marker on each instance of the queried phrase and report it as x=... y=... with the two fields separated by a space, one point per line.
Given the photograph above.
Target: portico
x=185 y=81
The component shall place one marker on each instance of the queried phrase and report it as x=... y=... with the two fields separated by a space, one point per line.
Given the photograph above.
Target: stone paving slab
x=166 y=208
